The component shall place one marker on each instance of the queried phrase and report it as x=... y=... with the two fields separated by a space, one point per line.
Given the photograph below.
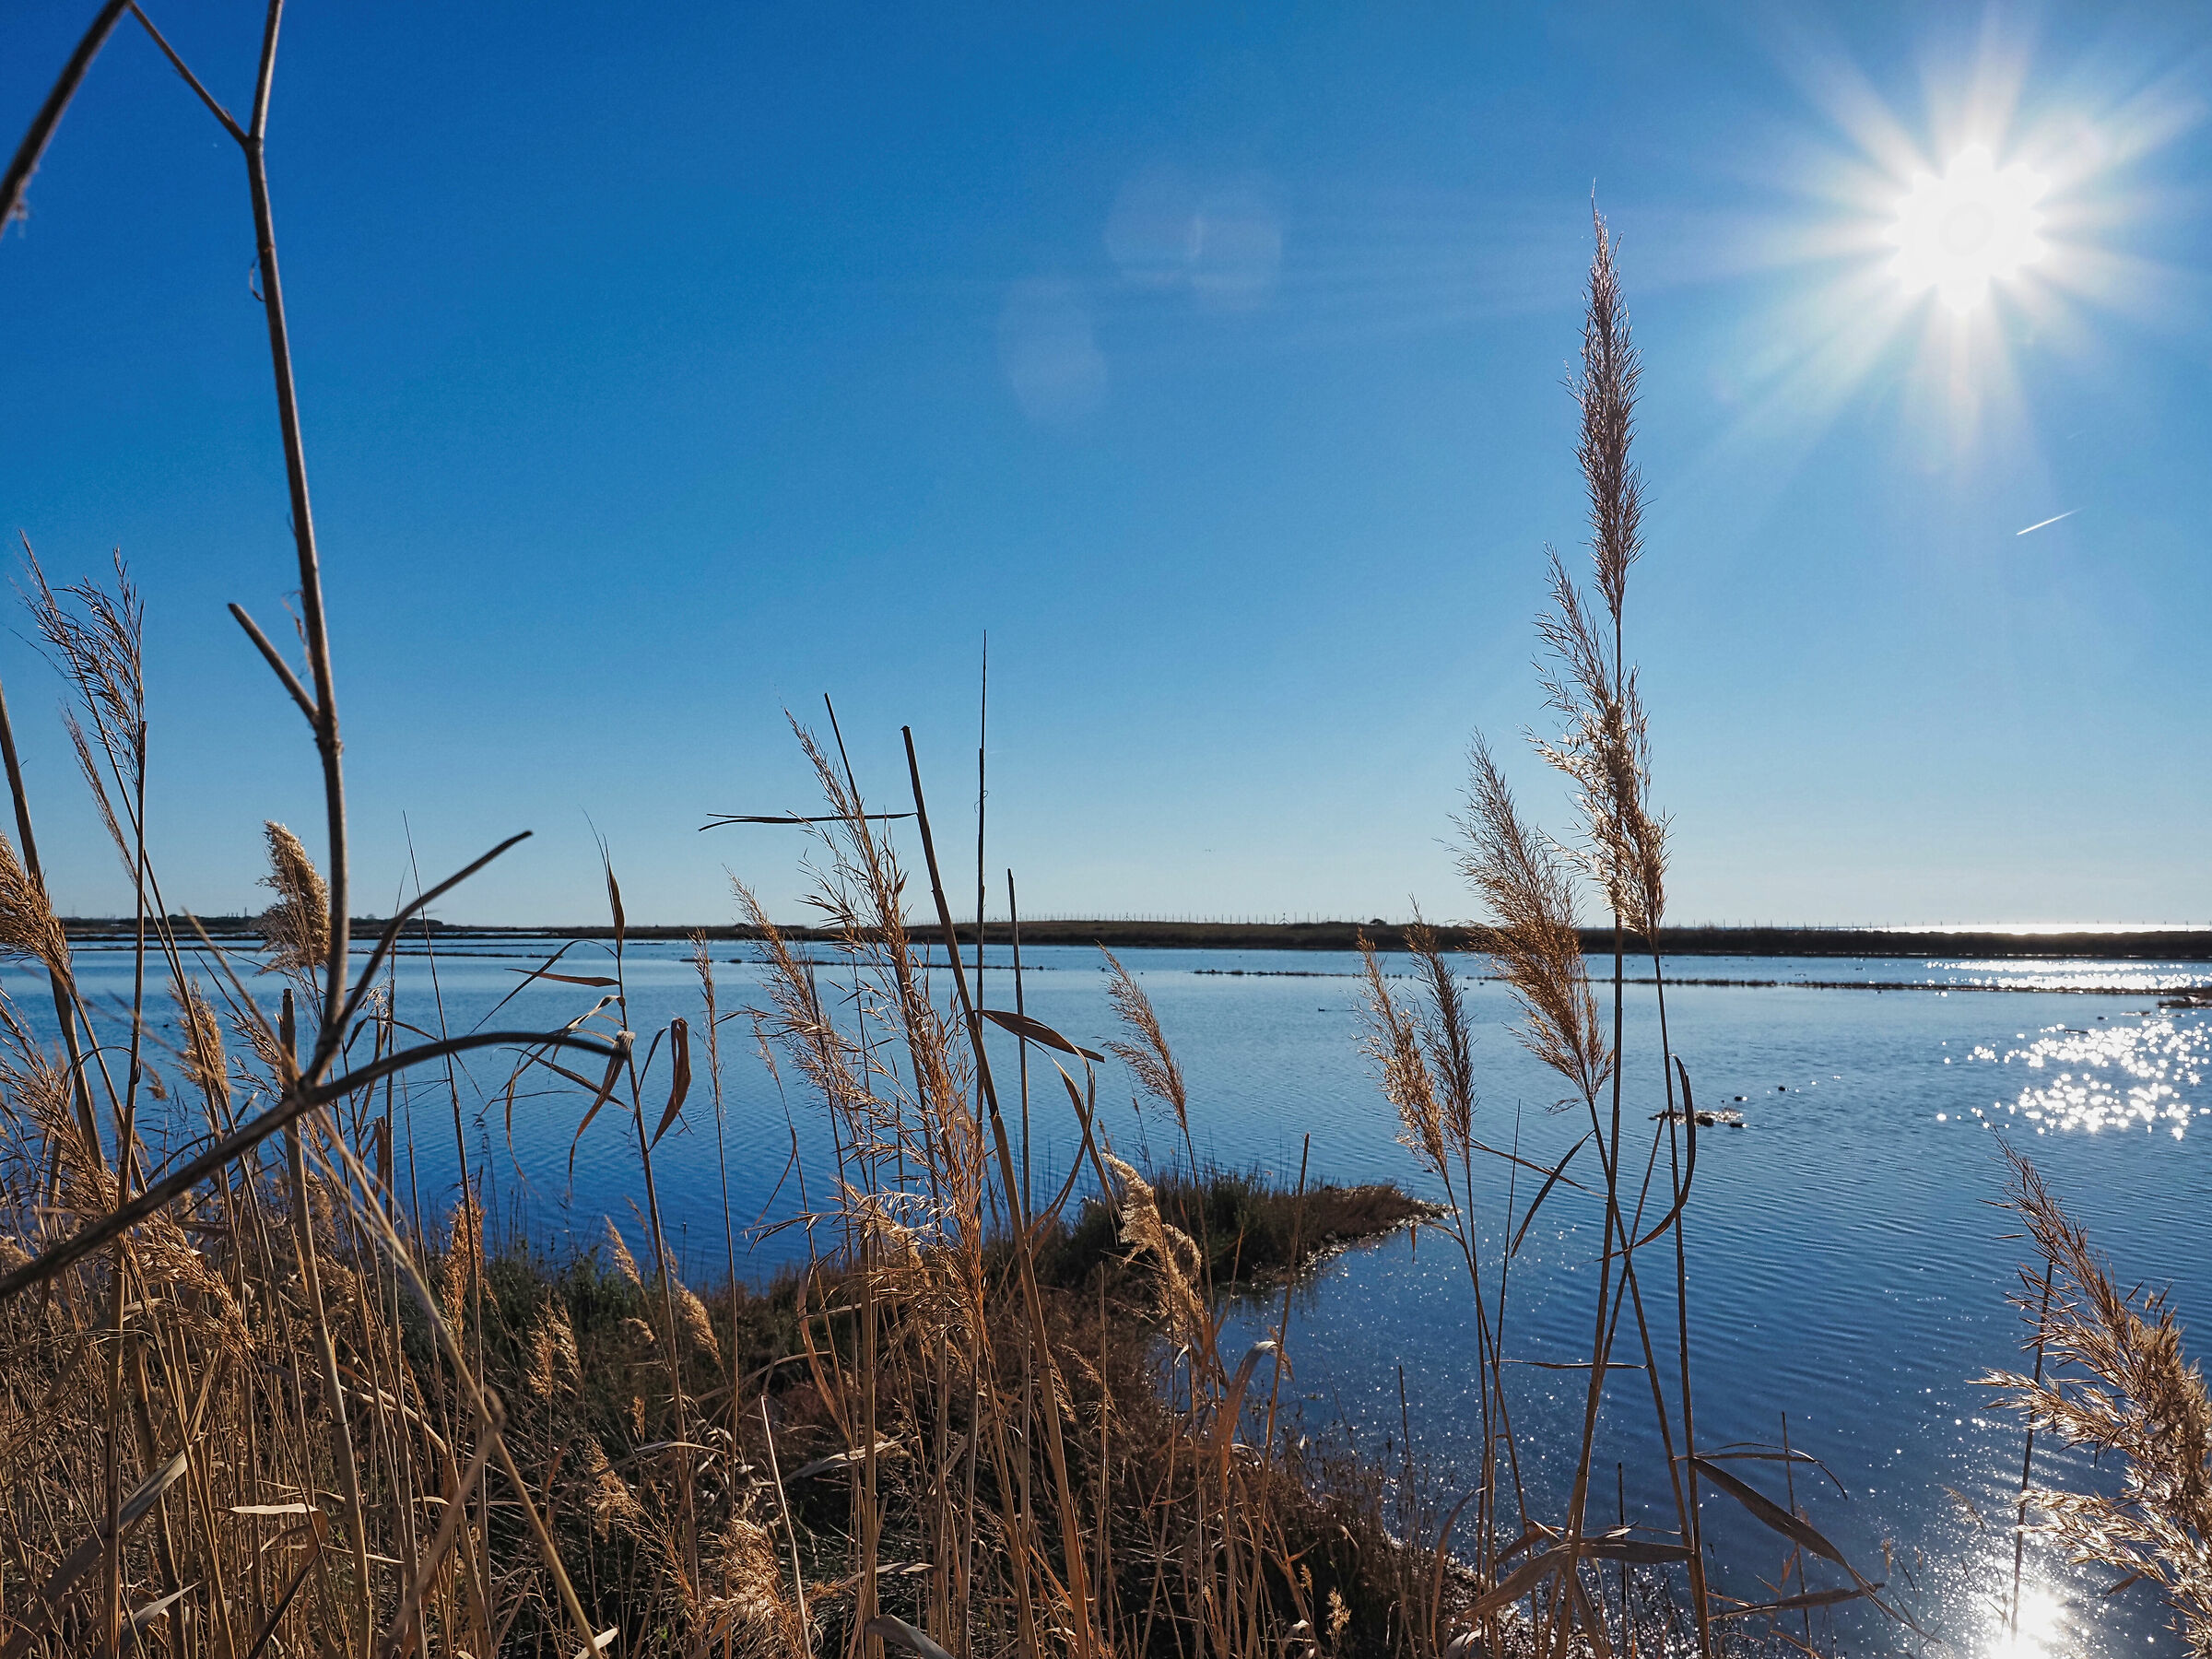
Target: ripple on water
x=2146 y=1075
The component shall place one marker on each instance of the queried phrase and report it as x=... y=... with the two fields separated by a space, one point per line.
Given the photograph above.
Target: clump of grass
x=1257 y=1229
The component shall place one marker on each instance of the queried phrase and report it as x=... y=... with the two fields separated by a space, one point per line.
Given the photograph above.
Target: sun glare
x=1975 y=225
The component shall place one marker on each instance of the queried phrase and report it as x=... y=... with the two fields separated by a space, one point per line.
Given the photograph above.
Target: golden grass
x=2112 y=1378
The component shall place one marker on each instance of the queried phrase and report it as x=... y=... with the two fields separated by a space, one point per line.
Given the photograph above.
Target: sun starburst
x=1974 y=225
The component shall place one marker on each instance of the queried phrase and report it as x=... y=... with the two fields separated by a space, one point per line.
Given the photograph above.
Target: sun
x=1975 y=225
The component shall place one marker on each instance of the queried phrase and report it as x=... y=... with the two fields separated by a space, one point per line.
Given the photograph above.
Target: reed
x=1543 y=1567
x=2113 y=1378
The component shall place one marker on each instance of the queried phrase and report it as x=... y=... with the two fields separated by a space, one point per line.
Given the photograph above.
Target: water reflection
x=1847 y=1266
x=2041 y=1632
x=2021 y=974
x=2123 y=1075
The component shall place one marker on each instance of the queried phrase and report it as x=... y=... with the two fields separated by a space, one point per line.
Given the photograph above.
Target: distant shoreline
x=2194 y=945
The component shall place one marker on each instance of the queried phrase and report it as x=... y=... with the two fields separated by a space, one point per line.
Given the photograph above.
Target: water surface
x=1848 y=1264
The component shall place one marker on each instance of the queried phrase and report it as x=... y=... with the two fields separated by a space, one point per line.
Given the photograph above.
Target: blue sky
x=664 y=368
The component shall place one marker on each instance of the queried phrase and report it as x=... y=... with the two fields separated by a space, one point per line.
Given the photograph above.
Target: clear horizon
x=663 y=371
x=997 y=917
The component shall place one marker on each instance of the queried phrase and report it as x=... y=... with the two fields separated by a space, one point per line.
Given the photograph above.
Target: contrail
x=2069 y=513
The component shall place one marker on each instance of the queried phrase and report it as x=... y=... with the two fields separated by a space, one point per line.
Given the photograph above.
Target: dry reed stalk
x=880 y=1141
x=1526 y=883
x=65 y=1010
x=702 y=962
x=1080 y=1605
x=1605 y=752
x=1425 y=1059
x=334 y=1402
x=2118 y=1383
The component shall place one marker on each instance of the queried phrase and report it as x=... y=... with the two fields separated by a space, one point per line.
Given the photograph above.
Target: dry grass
x=1537 y=1578
x=2113 y=1378
x=298 y=926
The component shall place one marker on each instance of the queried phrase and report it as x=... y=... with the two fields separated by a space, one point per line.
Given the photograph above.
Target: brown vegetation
x=2112 y=1378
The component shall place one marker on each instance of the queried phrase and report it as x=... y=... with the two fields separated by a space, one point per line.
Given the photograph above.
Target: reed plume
x=298 y=926
x=691 y=1315
x=625 y=1263
x=463 y=1263
x=95 y=639
x=1604 y=747
x=1395 y=1043
x=1533 y=934
x=1605 y=750
x=1149 y=1058
x=200 y=1054
x=1447 y=1038
x=2132 y=1396
x=29 y=928
x=1173 y=1252
x=1607 y=389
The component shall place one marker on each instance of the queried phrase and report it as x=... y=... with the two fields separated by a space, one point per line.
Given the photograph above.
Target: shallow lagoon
x=1847 y=1263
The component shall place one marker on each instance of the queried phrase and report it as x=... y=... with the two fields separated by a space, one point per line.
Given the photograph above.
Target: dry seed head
x=2117 y=1382
x=1446 y=1036
x=28 y=925
x=261 y=1037
x=1148 y=1057
x=1533 y=939
x=608 y=1497
x=1144 y=1228
x=624 y=1263
x=1605 y=750
x=552 y=1352
x=1607 y=389
x=96 y=639
x=692 y=1314
x=463 y=1255
x=159 y=1248
x=752 y=1608
x=538 y=1378
x=298 y=924
x=750 y=1571
x=200 y=1055
x=1393 y=1043
x=566 y=1366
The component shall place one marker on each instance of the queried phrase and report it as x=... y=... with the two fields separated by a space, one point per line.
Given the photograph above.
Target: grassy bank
x=698 y=1461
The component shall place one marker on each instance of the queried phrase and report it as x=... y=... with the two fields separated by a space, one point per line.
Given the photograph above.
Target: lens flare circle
x=1974 y=225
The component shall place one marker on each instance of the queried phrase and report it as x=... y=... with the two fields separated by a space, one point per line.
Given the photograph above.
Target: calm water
x=1848 y=1266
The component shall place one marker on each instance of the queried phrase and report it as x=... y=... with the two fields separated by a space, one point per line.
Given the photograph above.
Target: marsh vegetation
x=255 y=1402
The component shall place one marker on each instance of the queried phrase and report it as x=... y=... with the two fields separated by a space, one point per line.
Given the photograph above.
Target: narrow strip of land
x=2191 y=945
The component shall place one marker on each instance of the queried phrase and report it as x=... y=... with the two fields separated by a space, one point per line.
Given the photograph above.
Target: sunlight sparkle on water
x=2118 y=1077
x=1976 y=224
x=2041 y=1633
